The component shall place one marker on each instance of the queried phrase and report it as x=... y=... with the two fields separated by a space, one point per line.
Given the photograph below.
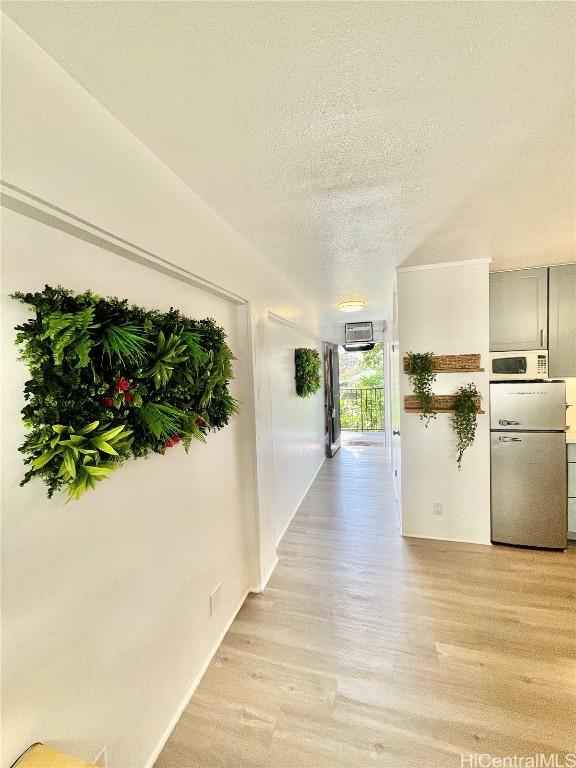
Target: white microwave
x=511 y=366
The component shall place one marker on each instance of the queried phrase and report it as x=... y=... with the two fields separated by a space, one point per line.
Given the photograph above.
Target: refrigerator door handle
x=508 y=423
x=504 y=439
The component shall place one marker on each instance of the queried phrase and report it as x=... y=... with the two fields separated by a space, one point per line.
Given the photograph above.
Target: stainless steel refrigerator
x=528 y=463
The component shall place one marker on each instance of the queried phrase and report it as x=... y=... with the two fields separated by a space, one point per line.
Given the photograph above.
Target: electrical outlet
x=215 y=599
x=101 y=759
x=437 y=508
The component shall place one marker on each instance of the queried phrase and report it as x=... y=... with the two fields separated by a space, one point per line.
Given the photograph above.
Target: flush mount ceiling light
x=351 y=306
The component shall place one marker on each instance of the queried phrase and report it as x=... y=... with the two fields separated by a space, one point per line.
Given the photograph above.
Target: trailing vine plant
x=464 y=418
x=110 y=381
x=307 y=371
x=422 y=376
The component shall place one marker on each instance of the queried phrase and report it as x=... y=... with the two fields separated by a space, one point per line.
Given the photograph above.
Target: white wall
x=61 y=145
x=298 y=425
x=444 y=309
x=105 y=601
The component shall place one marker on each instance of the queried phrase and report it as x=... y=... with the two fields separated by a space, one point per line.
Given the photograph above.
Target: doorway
x=362 y=396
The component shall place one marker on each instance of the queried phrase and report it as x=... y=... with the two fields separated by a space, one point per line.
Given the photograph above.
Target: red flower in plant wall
x=122 y=384
x=171 y=442
x=128 y=398
x=201 y=422
x=109 y=401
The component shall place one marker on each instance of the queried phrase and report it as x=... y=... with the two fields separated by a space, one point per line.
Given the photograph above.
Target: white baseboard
x=445 y=538
x=267 y=576
x=192 y=688
x=300 y=500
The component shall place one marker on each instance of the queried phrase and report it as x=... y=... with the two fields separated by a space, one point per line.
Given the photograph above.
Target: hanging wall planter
x=464 y=418
x=421 y=374
x=111 y=381
x=307 y=371
x=465 y=405
x=440 y=404
x=469 y=363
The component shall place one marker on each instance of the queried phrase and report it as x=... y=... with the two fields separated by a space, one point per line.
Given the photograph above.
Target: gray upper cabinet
x=562 y=316
x=519 y=310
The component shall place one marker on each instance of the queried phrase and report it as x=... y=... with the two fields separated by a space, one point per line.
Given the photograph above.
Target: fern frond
x=196 y=355
x=126 y=343
x=191 y=431
x=162 y=420
x=230 y=403
x=67 y=329
x=82 y=350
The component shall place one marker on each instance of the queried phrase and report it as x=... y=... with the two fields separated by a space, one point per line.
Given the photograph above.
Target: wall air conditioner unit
x=359 y=333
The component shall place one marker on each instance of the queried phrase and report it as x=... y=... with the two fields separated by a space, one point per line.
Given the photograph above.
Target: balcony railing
x=362 y=409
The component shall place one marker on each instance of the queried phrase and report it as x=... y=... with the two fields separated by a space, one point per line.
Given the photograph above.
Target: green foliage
x=219 y=363
x=162 y=420
x=422 y=376
x=362 y=370
x=307 y=375
x=125 y=343
x=169 y=353
x=68 y=332
x=191 y=430
x=196 y=355
x=82 y=455
x=362 y=389
x=362 y=409
x=464 y=418
x=138 y=380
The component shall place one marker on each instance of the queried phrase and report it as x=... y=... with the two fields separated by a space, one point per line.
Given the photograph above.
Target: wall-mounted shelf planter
x=440 y=404
x=453 y=364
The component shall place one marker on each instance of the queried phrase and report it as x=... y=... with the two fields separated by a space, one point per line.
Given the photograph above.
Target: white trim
x=34 y=207
x=443 y=265
x=250 y=403
x=273 y=317
x=536 y=266
x=192 y=688
x=445 y=538
x=279 y=539
x=272 y=567
x=266 y=579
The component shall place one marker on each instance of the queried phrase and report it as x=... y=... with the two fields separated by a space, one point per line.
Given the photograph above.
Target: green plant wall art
x=307 y=371
x=110 y=381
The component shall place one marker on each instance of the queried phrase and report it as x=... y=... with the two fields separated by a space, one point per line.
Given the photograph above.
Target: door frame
x=332 y=440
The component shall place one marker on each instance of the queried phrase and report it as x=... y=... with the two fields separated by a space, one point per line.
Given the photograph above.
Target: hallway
x=235 y=235
x=366 y=647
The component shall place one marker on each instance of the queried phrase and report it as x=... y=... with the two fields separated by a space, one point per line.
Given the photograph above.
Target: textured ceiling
x=343 y=138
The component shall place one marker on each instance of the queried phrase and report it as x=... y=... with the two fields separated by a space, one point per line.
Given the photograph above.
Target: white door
x=394 y=367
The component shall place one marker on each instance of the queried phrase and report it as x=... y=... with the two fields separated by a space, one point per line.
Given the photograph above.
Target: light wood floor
x=367 y=648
